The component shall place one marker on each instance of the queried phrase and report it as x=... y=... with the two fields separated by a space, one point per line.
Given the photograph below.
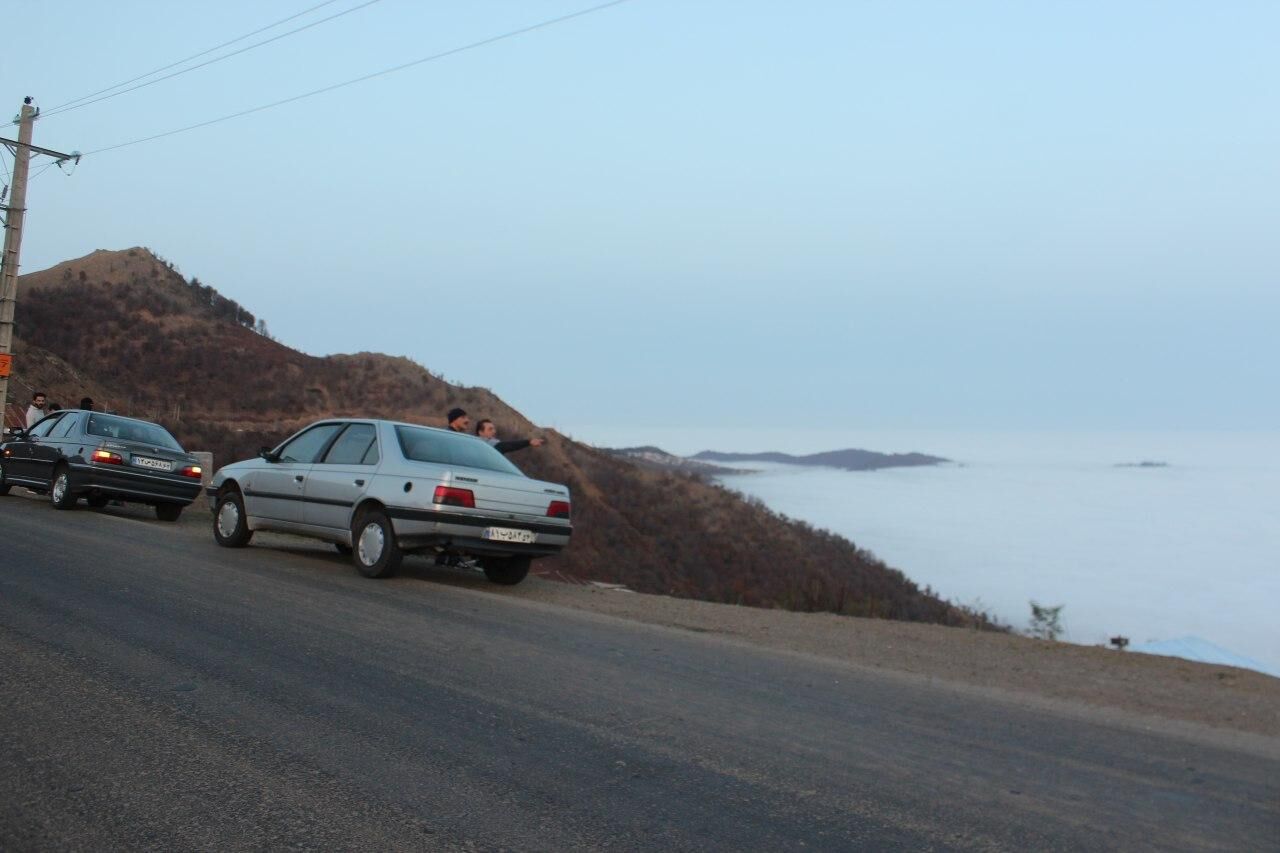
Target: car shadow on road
x=414 y=567
x=129 y=511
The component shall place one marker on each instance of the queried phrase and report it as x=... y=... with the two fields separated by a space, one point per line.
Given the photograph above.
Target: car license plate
x=153 y=464
x=507 y=534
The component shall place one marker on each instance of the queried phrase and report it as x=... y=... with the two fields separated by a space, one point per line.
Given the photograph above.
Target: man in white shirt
x=36 y=410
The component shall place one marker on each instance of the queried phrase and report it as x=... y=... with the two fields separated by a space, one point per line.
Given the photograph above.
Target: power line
x=512 y=34
x=44 y=169
x=212 y=61
x=194 y=55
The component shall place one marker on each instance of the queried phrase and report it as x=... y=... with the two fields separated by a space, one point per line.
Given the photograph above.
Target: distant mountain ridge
x=655 y=457
x=851 y=459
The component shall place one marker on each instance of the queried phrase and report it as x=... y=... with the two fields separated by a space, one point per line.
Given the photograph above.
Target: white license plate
x=507 y=534
x=154 y=464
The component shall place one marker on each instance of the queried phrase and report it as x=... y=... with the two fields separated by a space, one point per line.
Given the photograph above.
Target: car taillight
x=106 y=457
x=558 y=509
x=449 y=496
x=192 y=471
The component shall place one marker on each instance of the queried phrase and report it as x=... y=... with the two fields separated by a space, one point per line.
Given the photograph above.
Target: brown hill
x=127 y=329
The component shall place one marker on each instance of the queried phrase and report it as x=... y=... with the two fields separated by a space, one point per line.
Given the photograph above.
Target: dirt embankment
x=1170 y=688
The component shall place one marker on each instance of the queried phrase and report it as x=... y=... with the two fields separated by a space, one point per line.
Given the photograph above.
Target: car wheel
x=169 y=512
x=98 y=501
x=4 y=485
x=230 y=524
x=375 y=551
x=507 y=571
x=60 y=494
x=344 y=550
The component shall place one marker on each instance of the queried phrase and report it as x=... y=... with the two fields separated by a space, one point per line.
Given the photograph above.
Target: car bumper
x=422 y=528
x=119 y=482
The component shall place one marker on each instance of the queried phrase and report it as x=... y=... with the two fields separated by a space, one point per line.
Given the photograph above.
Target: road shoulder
x=1147 y=688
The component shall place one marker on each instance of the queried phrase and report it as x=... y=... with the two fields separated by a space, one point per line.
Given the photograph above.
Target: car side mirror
x=268 y=455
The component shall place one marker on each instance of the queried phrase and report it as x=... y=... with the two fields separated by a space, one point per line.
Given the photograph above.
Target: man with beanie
x=458 y=420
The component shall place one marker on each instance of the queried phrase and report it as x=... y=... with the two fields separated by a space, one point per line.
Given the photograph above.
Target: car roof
x=422 y=426
x=342 y=420
x=113 y=415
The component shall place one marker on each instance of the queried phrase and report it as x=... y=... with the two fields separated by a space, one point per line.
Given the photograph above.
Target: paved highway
x=157 y=691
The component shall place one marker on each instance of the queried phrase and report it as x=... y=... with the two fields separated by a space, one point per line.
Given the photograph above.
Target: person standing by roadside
x=86 y=403
x=458 y=420
x=487 y=430
x=36 y=410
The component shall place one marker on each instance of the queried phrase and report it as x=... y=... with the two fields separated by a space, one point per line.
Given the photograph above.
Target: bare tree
x=1045 y=621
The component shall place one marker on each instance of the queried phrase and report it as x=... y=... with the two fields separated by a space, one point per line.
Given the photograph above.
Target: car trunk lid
x=508 y=494
x=149 y=457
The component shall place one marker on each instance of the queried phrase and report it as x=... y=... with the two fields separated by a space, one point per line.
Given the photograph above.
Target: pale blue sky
x=924 y=215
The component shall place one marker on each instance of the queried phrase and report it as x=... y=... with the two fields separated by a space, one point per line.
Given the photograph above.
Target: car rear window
x=126 y=429
x=446 y=448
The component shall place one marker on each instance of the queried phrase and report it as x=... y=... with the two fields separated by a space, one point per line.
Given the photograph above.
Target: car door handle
x=359 y=482
x=298 y=477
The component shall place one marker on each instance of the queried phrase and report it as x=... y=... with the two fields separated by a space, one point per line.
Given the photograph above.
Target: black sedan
x=73 y=454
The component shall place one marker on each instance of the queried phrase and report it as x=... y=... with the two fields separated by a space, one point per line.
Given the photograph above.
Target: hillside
x=127 y=329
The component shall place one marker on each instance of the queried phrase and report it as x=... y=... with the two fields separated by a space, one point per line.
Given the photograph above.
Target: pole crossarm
x=13 y=144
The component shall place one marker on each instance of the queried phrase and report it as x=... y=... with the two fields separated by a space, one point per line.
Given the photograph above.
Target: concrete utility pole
x=22 y=150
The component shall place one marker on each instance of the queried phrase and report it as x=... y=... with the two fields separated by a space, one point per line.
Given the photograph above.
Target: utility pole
x=15 y=213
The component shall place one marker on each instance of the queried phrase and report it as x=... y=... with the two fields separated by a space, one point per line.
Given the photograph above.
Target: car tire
x=169 y=512
x=507 y=571
x=374 y=548
x=97 y=501
x=344 y=550
x=230 y=524
x=4 y=485
x=60 y=494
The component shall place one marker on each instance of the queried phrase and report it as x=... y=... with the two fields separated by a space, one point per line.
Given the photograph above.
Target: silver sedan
x=380 y=489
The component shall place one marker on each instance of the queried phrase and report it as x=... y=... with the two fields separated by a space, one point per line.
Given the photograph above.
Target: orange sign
x=6 y=362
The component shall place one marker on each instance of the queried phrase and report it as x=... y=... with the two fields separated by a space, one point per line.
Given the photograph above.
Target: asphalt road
x=157 y=691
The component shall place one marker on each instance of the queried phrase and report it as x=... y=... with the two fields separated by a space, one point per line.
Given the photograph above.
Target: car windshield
x=447 y=448
x=126 y=429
